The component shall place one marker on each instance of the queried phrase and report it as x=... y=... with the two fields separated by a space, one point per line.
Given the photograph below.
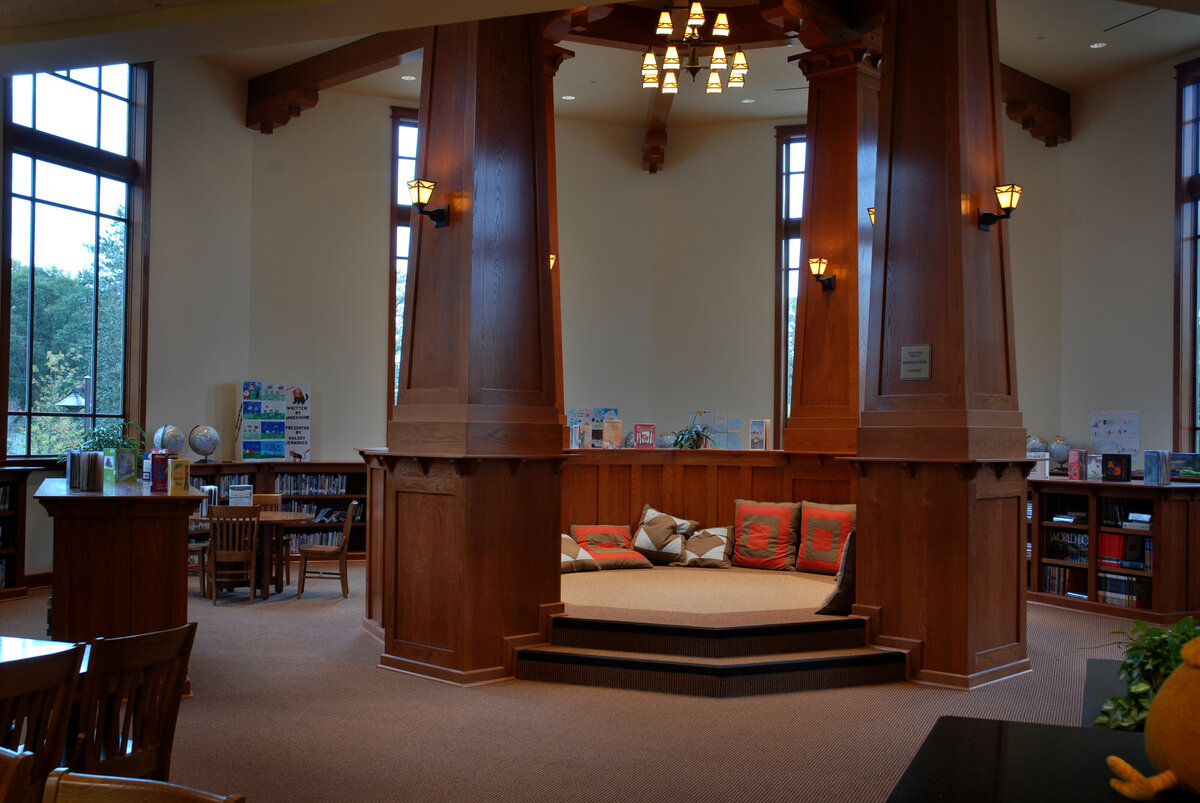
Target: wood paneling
x=610 y=486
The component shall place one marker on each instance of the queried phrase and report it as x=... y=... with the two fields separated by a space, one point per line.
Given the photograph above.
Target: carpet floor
x=290 y=705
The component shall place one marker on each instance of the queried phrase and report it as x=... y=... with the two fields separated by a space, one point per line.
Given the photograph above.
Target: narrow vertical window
x=74 y=198
x=790 y=204
x=1187 y=256
x=404 y=123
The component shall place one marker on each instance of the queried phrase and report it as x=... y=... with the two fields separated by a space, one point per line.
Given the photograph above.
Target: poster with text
x=273 y=421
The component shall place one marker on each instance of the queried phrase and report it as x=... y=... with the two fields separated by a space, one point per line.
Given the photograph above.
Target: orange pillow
x=822 y=537
x=764 y=534
x=610 y=545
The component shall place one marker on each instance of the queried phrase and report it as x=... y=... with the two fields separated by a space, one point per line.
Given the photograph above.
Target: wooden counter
x=120 y=559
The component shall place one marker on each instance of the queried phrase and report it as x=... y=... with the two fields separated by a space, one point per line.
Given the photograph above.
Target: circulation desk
x=120 y=559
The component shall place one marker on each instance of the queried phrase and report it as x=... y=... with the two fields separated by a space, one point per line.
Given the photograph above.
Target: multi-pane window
x=404 y=122
x=1187 y=195
x=74 y=197
x=792 y=152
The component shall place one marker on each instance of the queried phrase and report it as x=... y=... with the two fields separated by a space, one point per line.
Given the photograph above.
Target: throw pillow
x=575 y=558
x=660 y=537
x=842 y=597
x=823 y=531
x=764 y=534
x=708 y=548
x=610 y=545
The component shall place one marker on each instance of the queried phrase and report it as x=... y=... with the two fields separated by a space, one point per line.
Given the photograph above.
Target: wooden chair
x=15 y=771
x=232 y=548
x=329 y=552
x=130 y=703
x=36 y=695
x=283 y=543
x=64 y=786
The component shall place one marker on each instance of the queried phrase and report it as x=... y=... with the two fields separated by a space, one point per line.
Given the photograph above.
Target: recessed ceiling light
x=568 y=97
x=408 y=78
x=747 y=100
x=1098 y=45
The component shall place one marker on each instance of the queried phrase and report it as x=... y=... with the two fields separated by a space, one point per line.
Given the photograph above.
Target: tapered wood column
x=843 y=121
x=469 y=508
x=940 y=445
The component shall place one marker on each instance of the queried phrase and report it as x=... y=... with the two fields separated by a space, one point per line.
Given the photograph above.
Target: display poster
x=274 y=421
x=1117 y=432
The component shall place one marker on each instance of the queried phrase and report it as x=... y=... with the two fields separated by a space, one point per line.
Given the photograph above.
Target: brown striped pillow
x=708 y=548
x=764 y=534
x=660 y=537
x=610 y=545
x=575 y=558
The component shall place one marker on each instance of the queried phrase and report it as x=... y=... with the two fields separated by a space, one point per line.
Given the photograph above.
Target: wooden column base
x=940 y=565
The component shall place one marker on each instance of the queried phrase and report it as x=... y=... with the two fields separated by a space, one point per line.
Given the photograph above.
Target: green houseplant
x=1151 y=654
x=693 y=436
x=111 y=434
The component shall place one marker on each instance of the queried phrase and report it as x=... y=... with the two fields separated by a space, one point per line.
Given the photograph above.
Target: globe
x=1036 y=443
x=169 y=437
x=1059 y=449
x=204 y=440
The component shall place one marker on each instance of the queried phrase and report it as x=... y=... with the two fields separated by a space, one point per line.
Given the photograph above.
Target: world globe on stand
x=204 y=440
x=169 y=437
x=1059 y=450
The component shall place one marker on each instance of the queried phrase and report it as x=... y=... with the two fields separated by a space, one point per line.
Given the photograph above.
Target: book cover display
x=273 y=421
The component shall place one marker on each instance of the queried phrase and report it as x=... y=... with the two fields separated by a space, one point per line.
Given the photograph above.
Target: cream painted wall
x=319 y=297
x=667 y=282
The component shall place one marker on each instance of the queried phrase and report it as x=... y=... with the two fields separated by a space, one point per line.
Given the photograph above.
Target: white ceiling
x=1048 y=39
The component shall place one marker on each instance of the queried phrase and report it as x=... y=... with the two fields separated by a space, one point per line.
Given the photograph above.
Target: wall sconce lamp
x=818 y=265
x=871 y=212
x=419 y=191
x=1007 y=195
x=553 y=261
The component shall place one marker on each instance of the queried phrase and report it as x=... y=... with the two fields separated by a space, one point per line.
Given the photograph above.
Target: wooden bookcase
x=12 y=531
x=1085 y=552
x=324 y=488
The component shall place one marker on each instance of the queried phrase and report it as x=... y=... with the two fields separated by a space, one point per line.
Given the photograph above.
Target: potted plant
x=693 y=436
x=1151 y=654
x=121 y=449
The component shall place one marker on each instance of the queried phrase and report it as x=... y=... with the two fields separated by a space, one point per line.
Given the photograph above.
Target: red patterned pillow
x=611 y=545
x=823 y=533
x=764 y=534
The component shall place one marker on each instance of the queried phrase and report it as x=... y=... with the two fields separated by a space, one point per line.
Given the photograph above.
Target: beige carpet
x=700 y=597
x=291 y=706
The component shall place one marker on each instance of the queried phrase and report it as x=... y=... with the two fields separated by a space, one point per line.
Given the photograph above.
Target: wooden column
x=469 y=509
x=843 y=121
x=942 y=488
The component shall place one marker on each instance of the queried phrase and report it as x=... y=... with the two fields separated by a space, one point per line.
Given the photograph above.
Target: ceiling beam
x=274 y=98
x=1041 y=109
x=632 y=28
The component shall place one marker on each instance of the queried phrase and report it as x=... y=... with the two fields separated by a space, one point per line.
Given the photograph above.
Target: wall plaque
x=914 y=362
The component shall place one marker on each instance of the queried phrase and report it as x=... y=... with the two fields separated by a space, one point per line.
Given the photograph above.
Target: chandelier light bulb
x=650 y=81
x=721 y=25
x=696 y=15
x=740 y=65
x=649 y=64
x=737 y=80
x=670 y=86
x=671 y=60
x=719 y=60
x=713 y=87
x=665 y=26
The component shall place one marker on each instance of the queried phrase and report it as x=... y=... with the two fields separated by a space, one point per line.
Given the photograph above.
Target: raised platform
x=713 y=633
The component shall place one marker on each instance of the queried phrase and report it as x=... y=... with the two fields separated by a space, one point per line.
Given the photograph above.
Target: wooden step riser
x=776 y=680
x=710 y=643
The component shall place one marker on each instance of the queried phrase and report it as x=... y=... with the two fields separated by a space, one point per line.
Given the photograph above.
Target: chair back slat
x=15 y=769
x=351 y=513
x=268 y=501
x=36 y=695
x=130 y=703
x=76 y=787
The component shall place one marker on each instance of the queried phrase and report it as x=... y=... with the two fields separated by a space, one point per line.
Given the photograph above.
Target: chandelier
x=691 y=45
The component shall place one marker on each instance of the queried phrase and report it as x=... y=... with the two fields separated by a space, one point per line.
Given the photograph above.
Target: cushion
x=823 y=531
x=660 y=537
x=575 y=558
x=842 y=597
x=610 y=545
x=708 y=548
x=764 y=534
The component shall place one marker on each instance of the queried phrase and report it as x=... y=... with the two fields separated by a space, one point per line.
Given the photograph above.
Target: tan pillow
x=708 y=548
x=576 y=558
x=660 y=537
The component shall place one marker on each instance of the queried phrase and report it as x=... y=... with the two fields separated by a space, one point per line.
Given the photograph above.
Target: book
x=1156 y=467
x=179 y=476
x=1116 y=467
x=241 y=494
x=160 y=481
x=1077 y=464
x=1041 y=465
x=644 y=436
x=611 y=438
x=599 y=416
x=760 y=433
x=1095 y=471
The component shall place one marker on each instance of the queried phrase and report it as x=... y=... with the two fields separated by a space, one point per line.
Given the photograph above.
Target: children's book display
x=273 y=421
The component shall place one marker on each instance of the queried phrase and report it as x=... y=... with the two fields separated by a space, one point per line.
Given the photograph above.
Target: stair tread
x=742 y=660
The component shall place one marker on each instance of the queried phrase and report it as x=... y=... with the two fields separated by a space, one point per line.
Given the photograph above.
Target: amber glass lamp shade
x=871 y=212
x=721 y=25
x=649 y=63
x=1008 y=195
x=651 y=81
x=419 y=190
x=696 y=15
x=713 y=87
x=670 y=85
x=719 y=60
x=671 y=59
x=665 y=26
x=818 y=265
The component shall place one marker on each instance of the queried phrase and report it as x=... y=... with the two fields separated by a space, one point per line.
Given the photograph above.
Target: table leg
x=266 y=550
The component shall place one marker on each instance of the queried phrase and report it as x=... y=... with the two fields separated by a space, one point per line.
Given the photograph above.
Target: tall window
x=74 y=153
x=792 y=151
x=1187 y=258
x=404 y=123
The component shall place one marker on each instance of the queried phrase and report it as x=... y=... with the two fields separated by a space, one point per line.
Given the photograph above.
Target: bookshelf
x=12 y=532
x=1121 y=548
x=323 y=488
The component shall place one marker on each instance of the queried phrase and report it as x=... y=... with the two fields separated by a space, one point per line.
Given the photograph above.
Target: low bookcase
x=1121 y=548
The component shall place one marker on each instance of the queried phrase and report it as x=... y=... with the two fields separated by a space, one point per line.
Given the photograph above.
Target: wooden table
x=15 y=648
x=120 y=559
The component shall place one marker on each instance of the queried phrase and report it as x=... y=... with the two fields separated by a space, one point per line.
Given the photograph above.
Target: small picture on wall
x=643 y=436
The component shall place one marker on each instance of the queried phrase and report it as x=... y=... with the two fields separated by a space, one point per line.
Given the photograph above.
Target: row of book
x=4 y=499
x=322 y=514
x=328 y=538
x=1123 y=590
x=310 y=484
x=1132 y=514
x=222 y=481
x=1064 y=581
x=1071 y=545
x=85 y=470
x=1121 y=551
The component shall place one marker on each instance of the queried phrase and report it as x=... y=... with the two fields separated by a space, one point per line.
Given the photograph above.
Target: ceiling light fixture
x=686 y=53
x=1098 y=45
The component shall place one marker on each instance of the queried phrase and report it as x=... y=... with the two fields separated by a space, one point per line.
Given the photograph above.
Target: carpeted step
x=712 y=642
x=712 y=677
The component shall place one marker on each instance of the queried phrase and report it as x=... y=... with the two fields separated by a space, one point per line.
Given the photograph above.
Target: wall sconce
x=818 y=265
x=871 y=212
x=1007 y=195
x=419 y=191
x=553 y=261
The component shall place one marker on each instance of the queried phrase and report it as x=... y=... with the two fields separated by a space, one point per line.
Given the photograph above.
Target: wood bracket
x=425 y=463
x=465 y=466
x=514 y=465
